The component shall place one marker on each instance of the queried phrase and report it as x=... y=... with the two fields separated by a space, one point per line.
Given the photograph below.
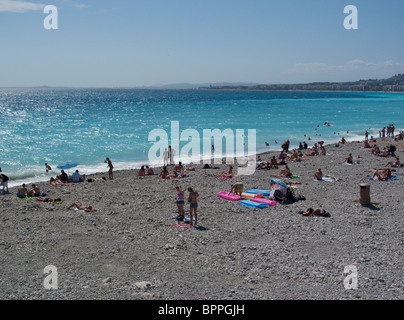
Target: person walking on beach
x=192 y=199
x=111 y=167
x=4 y=183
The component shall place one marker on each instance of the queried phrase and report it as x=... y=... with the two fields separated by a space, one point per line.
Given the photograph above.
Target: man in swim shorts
x=22 y=192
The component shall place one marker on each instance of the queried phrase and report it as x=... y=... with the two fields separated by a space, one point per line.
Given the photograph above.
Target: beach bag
x=290 y=195
x=280 y=197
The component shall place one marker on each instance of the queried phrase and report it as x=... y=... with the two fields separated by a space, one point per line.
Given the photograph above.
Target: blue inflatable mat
x=252 y=204
x=264 y=192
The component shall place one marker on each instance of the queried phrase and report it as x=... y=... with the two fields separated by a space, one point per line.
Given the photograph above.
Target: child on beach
x=238 y=188
x=192 y=199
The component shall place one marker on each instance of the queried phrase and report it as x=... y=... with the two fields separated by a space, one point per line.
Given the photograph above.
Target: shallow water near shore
x=88 y=125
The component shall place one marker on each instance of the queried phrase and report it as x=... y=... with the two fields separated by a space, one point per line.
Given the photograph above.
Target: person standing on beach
x=4 y=183
x=179 y=198
x=165 y=155
x=285 y=146
x=366 y=135
x=172 y=154
x=192 y=199
x=111 y=167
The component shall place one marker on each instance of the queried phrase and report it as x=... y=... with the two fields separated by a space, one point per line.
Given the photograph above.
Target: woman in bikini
x=180 y=203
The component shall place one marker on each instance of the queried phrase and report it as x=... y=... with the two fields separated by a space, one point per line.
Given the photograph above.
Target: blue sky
x=124 y=43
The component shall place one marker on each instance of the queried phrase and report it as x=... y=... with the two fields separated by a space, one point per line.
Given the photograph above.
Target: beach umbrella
x=67 y=165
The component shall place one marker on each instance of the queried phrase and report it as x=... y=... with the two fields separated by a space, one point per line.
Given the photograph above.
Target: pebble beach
x=129 y=249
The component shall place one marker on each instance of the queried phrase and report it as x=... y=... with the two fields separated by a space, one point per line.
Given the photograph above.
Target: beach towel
x=182 y=225
x=264 y=192
x=392 y=178
x=252 y=204
x=251 y=195
x=328 y=179
x=26 y=198
x=268 y=202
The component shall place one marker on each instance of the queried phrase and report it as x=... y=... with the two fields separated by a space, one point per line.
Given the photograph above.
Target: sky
x=124 y=43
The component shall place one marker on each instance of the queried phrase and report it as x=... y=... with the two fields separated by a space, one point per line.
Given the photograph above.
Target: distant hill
x=197 y=85
x=393 y=84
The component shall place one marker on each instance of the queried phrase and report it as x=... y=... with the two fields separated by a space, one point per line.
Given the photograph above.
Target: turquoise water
x=88 y=125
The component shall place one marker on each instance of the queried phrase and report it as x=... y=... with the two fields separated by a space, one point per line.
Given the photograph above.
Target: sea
x=48 y=125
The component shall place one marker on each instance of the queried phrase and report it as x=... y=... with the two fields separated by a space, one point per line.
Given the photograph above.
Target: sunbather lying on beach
x=82 y=207
x=314 y=212
x=50 y=200
x=395 y=164
x=56 y=182
x=382 y=174
x=285 y=173
x=226 y=174
x=263 y=166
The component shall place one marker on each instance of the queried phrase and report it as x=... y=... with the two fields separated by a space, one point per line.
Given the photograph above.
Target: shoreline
x=261 y=151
